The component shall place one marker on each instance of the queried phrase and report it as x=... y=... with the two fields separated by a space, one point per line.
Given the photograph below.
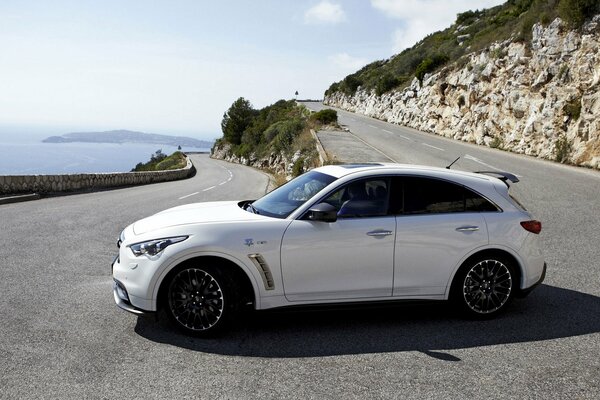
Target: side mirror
x=324 y=212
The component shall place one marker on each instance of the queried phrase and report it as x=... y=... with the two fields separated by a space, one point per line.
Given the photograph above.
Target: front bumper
x=121 y=295
x=122 y=299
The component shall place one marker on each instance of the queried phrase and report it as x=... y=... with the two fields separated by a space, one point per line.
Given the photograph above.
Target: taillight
x=532 y=226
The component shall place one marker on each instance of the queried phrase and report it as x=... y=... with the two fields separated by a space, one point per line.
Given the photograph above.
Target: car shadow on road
x=548 y=313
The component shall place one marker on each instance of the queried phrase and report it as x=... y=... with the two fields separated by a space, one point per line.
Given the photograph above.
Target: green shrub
x=243 y=150
x=576 y=12
x=351 y=84
x=496 y=143
x=430 y=64
x=326 y=116
x=281 y=134
x=562 y=149
x=386 y=83
x=573 y=109
x=298 y=167
x=563 y=72
x=467 y=17
x=160 y=162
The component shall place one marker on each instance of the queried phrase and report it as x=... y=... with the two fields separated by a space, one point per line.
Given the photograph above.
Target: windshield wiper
x=252 y=208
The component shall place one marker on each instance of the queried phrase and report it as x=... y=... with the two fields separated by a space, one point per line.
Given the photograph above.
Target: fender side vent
x=264 y=270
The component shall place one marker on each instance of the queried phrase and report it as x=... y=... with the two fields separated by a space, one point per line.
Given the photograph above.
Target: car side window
x=362 y=198
x=416 y=195
x=474 y=202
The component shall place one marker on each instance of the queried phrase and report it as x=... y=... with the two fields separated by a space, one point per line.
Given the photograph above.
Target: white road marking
x=374 y=148
x=372 y=126
x=405 y=137
x=477 y=160
x=385 y=130
x=212 y=187
x=188 y=195
x=433 y=147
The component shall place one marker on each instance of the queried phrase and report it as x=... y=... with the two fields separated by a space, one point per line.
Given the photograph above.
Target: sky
x=174 y=67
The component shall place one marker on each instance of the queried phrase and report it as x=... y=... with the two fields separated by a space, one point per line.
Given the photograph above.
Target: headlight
x=121 y=239
x=153 y=247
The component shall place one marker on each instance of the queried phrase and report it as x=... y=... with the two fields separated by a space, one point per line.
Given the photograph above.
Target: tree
x=158 y=156
x=236 y=120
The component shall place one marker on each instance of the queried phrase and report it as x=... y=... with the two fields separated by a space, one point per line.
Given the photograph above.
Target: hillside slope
x=538 y=96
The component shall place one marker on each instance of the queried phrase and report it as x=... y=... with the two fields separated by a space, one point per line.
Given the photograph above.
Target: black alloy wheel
x=484 y=287
x=198 y=300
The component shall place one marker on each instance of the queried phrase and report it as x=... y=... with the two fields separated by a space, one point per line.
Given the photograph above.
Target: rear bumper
x=524 y=292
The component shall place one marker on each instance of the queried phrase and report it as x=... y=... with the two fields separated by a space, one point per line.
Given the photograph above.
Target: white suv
x=344 y=233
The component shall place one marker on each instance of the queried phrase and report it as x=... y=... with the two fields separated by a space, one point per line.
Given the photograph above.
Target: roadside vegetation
x=159 y=161
x=282 y=128
x=472 y=31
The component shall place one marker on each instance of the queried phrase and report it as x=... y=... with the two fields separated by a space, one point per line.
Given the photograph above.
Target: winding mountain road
x=61 y=336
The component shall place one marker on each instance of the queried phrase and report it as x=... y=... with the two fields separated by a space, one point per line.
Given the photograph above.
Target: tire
x=484 y=286
x=200 y=300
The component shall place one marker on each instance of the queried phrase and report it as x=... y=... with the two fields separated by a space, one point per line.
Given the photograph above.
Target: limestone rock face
x=527 y=98
x=277 y=163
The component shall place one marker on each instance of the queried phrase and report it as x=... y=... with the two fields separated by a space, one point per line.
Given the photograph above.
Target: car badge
x=249 y=242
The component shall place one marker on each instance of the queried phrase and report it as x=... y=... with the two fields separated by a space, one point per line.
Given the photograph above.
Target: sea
x=22 y=152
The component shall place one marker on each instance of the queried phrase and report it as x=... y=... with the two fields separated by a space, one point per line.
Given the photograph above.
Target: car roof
x=342 y=170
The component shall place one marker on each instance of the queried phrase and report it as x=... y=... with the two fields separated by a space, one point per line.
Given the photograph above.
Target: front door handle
x=379 y=233
x=470 y=228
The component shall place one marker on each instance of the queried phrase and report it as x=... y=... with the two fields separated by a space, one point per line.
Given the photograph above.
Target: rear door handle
x=379 y=233
x=469 y=228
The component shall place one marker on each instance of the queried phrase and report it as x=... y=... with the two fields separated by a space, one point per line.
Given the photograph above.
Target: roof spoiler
x=503 y=176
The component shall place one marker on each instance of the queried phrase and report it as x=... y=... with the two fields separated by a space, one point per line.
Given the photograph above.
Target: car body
x=336 y=234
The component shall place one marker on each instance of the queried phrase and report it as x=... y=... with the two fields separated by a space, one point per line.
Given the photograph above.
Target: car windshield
x=282 y=201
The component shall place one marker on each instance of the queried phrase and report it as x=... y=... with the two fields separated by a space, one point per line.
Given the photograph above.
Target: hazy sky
x=175 y=66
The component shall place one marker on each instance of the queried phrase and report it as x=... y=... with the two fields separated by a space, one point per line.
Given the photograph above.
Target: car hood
x=197 y=213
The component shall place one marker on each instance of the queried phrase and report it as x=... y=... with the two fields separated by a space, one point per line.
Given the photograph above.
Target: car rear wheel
x=200 y=300
x=484 y=286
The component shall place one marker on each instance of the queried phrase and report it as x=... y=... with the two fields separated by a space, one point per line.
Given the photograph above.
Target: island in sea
x=125 y=136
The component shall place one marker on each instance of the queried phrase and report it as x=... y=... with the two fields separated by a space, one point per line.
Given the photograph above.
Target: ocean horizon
x=24 y=153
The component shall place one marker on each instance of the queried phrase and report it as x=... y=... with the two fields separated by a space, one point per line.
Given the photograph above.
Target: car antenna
x=452 y=163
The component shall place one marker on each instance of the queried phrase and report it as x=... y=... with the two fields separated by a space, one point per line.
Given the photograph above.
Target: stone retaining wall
x=15 y=184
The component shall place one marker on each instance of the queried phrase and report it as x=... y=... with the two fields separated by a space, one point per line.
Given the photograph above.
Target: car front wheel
x=200 y=300
x=484 y=287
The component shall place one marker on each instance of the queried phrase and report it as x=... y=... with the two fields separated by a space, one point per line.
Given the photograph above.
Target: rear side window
x=415 y=195
x=517 y=202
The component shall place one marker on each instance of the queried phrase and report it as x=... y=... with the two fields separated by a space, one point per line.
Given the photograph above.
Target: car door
x=437 y=224
x=349 y=258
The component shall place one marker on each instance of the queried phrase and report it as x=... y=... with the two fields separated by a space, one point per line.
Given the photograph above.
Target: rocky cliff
x=540 y=98
x=277 y=163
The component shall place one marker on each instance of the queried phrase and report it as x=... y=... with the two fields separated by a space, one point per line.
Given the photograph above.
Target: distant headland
x=125 y=136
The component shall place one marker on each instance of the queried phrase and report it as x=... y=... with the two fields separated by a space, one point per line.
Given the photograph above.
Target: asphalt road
x=61 y=336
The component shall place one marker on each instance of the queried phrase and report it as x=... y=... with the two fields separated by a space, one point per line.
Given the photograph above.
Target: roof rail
x=503 y=176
